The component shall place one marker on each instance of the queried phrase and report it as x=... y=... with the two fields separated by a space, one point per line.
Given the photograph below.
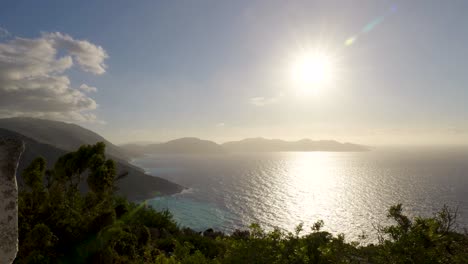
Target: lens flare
x=370 y=26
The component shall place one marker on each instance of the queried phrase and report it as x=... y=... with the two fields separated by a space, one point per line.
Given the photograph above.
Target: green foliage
x=33 y=175
x=58 y=223
x=423 y=240
x=281 y=247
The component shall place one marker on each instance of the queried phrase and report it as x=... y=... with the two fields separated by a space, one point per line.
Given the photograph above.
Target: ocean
x=350 y=191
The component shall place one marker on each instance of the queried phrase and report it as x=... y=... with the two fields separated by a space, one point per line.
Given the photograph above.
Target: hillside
x=135 y=186
x=66 y=136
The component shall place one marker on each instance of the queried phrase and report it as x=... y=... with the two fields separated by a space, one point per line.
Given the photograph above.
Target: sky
x=221 y=70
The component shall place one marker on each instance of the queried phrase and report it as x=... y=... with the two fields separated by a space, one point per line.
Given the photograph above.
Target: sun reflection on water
x=311 y=184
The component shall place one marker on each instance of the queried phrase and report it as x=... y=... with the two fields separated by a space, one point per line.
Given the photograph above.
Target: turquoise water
x=349 y=191
x=197 y=215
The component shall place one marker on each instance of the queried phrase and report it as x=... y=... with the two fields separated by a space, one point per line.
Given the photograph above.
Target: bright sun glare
x=312 y=71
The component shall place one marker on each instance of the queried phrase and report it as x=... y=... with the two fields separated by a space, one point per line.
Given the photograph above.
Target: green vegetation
x=60 y=224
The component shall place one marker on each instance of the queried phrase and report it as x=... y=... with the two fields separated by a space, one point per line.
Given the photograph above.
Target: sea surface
x=349 y=191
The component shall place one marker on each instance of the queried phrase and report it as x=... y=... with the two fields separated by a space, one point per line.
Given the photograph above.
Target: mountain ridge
x=185 y=145
x=260 y=144
x=137 y=185
x=193 y=145
x=66 y=136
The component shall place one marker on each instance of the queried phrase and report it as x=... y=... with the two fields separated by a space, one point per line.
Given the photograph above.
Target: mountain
x=198 y=146
x=188 y=145
x=48 y=139
x=62 y=135
x=276 y=145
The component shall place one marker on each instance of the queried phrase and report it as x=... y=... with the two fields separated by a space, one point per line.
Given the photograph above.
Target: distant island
x=188 y=145
x=191 y=145
x=278 y=145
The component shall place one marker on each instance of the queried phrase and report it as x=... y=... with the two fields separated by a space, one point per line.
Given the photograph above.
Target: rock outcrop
x=10 y=152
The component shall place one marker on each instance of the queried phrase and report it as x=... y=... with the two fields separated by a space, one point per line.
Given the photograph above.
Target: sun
x=312 y=71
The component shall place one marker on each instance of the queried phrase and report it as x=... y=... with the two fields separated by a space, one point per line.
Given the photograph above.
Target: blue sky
x=217 y=69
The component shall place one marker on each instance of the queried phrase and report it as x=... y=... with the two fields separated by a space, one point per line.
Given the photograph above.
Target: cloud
x=89 y=56
x=33 y=80
x=88 y=88
x=262 y=101
x=220 y=124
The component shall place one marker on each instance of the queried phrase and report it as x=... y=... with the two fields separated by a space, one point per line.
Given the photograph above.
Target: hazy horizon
x=374 y=72
x=377 y=145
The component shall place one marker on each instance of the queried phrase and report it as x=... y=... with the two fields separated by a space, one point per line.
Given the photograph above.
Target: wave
x=184 y=191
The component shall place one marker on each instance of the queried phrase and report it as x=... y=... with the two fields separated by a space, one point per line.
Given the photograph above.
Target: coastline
x=174 y=189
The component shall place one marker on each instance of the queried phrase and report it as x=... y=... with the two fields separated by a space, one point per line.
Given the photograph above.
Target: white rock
x=10 y=152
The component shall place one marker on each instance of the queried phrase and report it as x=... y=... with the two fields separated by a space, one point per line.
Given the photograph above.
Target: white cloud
x=33 y=82
x=88 y=88
x=220 y=125
x=262 y=101
x=89 y=56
